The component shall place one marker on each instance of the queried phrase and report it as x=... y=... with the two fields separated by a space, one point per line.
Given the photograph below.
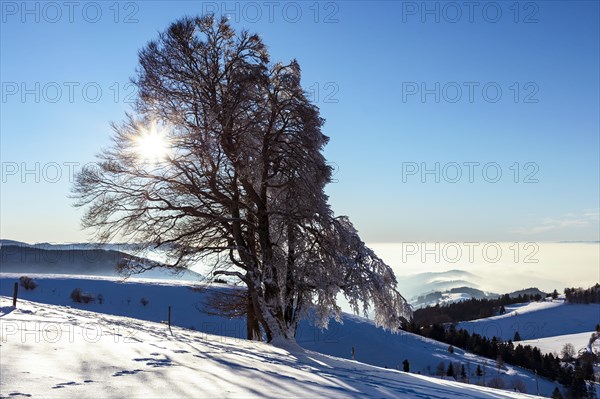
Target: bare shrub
x=79 y=296
x=27 y=283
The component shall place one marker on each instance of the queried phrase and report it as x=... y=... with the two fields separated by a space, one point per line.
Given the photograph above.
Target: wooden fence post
x=169 y=320
x=15 y=293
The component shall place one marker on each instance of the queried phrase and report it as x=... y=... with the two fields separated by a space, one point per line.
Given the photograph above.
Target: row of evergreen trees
x=580 y=295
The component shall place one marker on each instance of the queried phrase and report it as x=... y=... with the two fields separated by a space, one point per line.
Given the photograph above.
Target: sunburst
x=152 y=144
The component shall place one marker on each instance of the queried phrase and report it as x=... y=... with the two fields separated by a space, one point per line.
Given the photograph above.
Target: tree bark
x=252 y=326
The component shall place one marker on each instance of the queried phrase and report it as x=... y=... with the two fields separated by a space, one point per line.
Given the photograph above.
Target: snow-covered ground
x=555 y=344
x=372 y=345
x=537 y=320
x=50 y=351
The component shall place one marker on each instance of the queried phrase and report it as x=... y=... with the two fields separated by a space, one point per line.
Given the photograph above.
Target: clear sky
x=449 y=121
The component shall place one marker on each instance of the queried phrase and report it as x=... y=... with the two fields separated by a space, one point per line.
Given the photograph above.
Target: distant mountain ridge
x=459 y=294
x=527 y=291
x=74 y=246
x=420 y=284
x=80 y=259
x=431 y=288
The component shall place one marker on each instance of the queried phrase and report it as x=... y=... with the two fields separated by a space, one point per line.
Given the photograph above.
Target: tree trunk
x=252 y=326
x=270 y=314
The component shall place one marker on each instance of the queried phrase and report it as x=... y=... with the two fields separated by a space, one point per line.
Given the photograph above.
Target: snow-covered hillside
x=537 y=320
x=59 y=352
x=371 y=345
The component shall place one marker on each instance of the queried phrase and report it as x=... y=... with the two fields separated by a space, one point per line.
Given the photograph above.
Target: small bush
x=144 y=301
x=76 y=295
x=81 y=297
x=27 y=283
x=451 y=349
x=497 y=383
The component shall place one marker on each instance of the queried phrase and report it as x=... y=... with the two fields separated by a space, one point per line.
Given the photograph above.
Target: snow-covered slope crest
x=555 y=344
x=50 y=351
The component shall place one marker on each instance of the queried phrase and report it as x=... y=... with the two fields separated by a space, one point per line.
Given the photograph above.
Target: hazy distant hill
x=16 y=259
x=529 y=291
x=459 y=294
x=431 y=288
x=473 y=292
x=123 y=247
x=81 y=259
x=424 y=283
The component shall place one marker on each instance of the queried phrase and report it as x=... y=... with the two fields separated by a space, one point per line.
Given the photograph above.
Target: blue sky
x=532 y=68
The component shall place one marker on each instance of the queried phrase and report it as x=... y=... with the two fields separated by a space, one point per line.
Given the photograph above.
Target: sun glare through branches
x=152 y=146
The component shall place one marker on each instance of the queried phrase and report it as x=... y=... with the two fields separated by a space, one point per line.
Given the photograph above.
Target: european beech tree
x=221 y=162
